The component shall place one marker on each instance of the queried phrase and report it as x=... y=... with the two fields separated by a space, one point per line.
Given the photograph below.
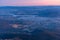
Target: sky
x=28 y=2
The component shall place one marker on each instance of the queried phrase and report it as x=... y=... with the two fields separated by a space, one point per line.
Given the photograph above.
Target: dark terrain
x=30 y=22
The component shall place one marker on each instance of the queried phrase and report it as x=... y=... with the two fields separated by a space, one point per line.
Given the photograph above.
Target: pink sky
x=28 y=2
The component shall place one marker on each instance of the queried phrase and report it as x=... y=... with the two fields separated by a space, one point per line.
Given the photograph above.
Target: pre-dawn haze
x=28 y=2
x=29 y=19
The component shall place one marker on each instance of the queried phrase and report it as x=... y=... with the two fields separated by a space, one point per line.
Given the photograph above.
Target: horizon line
x=31 y=5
